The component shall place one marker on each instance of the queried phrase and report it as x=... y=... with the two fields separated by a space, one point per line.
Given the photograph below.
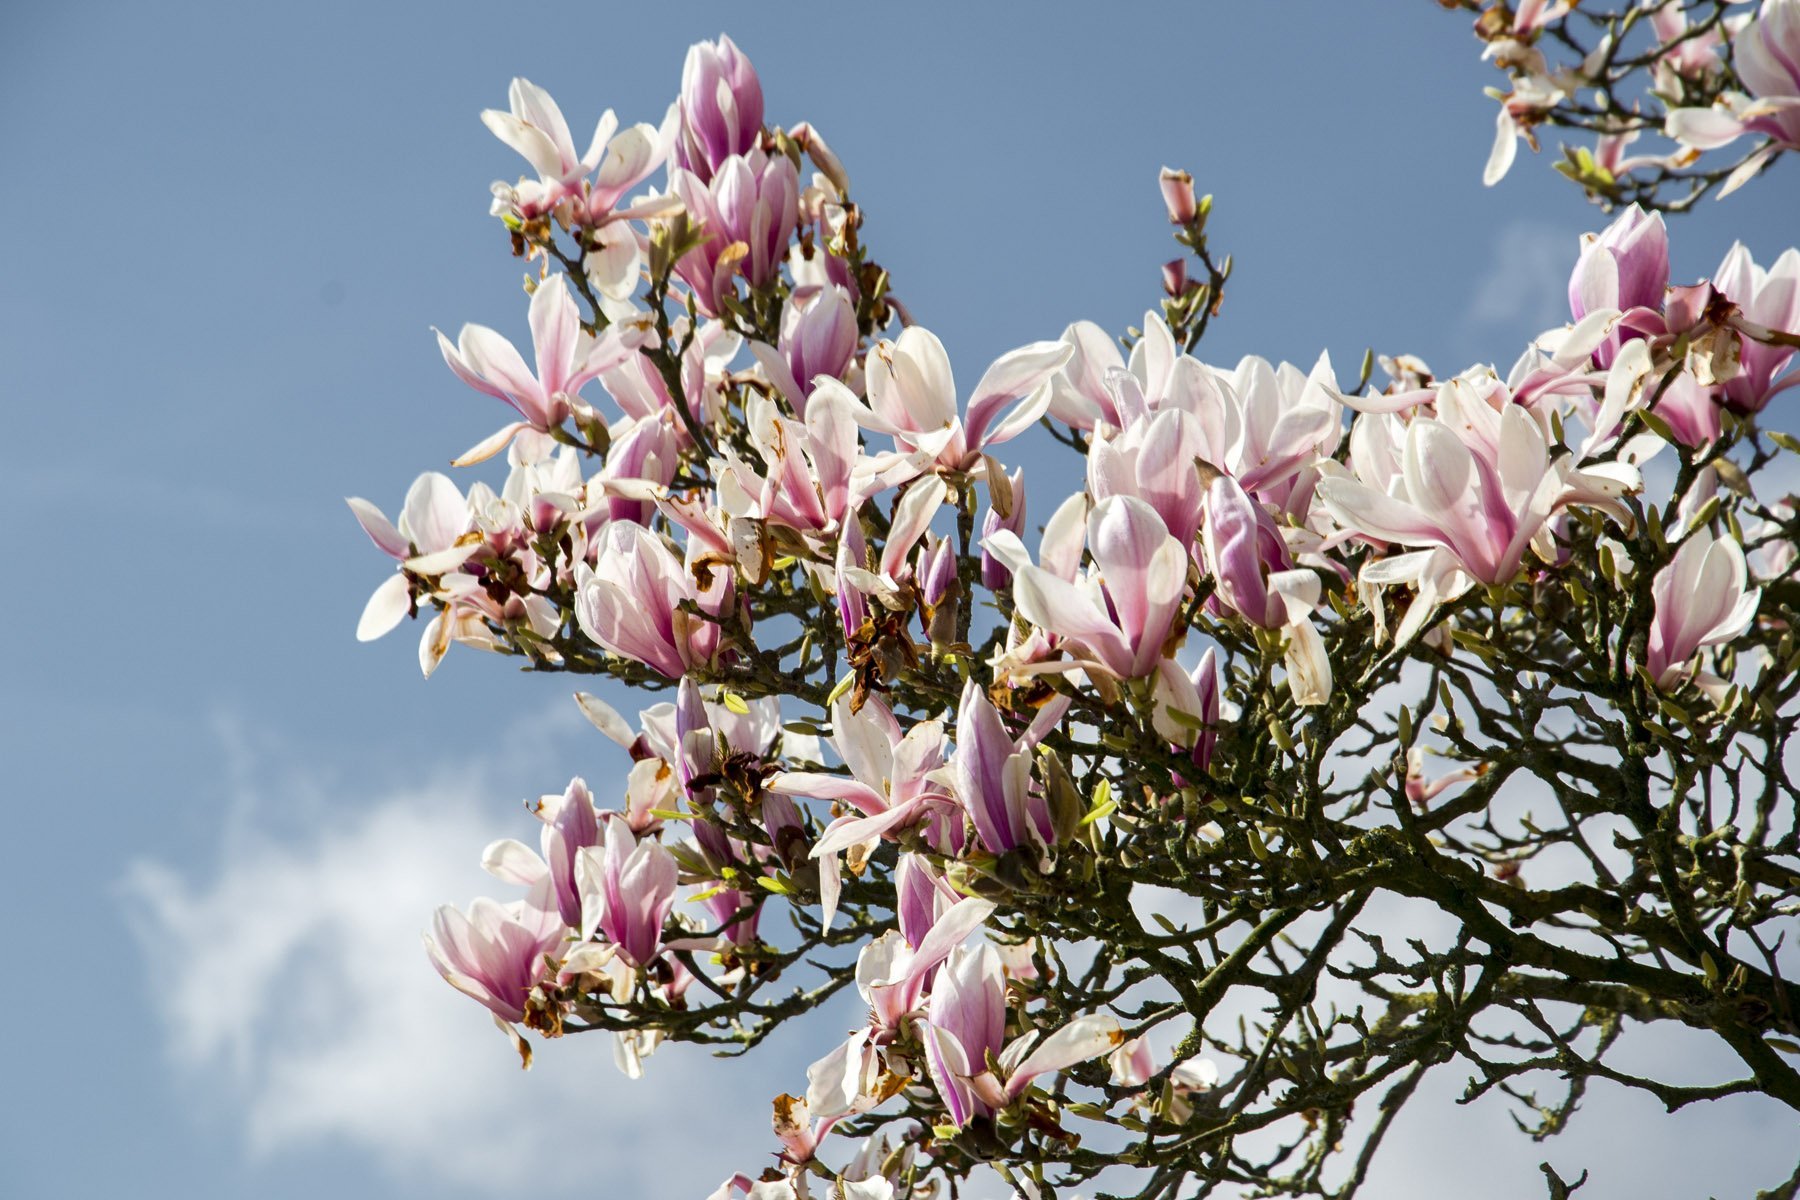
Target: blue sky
x=229 y=230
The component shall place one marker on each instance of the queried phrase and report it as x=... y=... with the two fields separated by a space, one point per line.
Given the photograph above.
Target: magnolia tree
x=1295 y=738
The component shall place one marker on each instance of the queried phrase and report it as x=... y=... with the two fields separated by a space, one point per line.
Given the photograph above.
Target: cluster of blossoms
x=1701 y=74
x=915 y=734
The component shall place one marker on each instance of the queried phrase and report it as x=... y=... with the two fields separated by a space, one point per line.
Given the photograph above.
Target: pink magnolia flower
x=1206 y=708
x=1132 y=1063
x=691 y=734
x=1249 y=561
x=1155 y=458
x=1610 y=156
x=1478 y=483
x=849 y=572
x=1421 y=791
x=912 y=397
x=1121 y=618
x=818 y=340
x=935 y=571
x=641 y=392
x=495 y=952
x=1081 y=395
x=1264 y=425
x=1100 y=386
x=807 y=479
x=721 y=107
x=965 y=1031
x=646 y=450
x=570 y=825
x=891 y=782
x=536 y=129
x=1534 y=15
x=447 y=546
x=627 y=888
x=1683 y=56
x=993 y=777
x=750 y=209
x=629 y=601
x=1700 y=602
x=796 y=1130
x=1256 y=579
x=1692 y=411
x=892 y=974
x=1178 y=195
x=567 y=359
x=1769 y=299
x=1277 y=422
x=1623 y=269
x=429 y=540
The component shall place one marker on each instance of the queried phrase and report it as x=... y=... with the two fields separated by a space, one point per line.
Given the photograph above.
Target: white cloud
x=292 y=983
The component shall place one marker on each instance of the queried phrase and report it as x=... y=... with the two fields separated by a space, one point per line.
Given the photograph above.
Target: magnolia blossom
x=892 y=975
x=1481 y=489
x=721 y=107
x=1692 y=411
x=892 y=780
x=1156 y=458
x=818 y=340
x=1122 y=617
x=495 y=952
x=1770 y=300
x=1006 y=493
x=535 y=127
x=428 y=540
x=1532 y=96
x=447 y=545
x=630 y=601
x=1255 y=578
x=1263 y=425
x=1700 y=602
x=570 y=825
x=807 y=481
x=1249 y=561
x=748 y=210
x=993 y=777
x=627 y=888
x=1624 y=269
x=912 y=397
x=965 y=1030
x=1134 y=1062
x=567 y=359
x=692 y=734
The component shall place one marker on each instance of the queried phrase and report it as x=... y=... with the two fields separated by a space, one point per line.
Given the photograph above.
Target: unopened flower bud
x=1175 y=277
x=1178 y=195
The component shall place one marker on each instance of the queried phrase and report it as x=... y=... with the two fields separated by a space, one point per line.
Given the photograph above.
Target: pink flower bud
x=1178 y=195
x=1175 y=276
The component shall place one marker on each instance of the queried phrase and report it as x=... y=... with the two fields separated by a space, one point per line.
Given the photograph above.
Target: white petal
x=1506 y=146
x=385 y=609
x=606 y=719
